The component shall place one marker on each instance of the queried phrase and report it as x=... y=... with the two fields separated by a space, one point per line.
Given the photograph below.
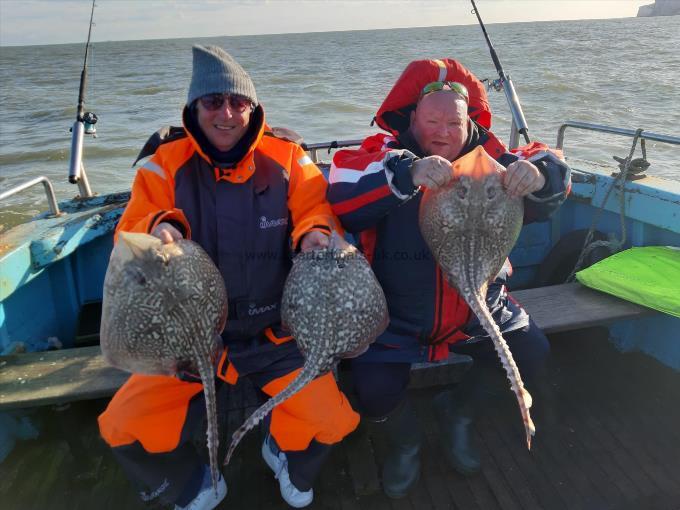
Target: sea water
x=328 y=86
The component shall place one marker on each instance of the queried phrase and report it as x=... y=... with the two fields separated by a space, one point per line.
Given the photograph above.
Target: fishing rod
x=83 y=125
x=518 y=120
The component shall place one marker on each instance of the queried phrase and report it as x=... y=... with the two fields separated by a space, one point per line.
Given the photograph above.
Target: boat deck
x=608 y=437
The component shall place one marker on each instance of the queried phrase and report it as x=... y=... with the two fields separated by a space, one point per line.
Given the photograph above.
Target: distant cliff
x=660 y=8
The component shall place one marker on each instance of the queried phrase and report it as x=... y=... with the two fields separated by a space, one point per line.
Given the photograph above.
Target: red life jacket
x=541 y=154
x=394 y=113
x=535 y=151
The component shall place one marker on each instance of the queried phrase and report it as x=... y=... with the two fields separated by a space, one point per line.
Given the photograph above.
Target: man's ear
x=412 y=116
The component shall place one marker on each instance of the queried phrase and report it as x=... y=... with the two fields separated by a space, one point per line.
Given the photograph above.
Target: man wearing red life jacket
x=375 y=191
x=250 y=199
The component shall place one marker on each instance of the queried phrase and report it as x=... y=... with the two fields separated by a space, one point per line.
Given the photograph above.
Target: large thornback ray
x=470 y=226
x=164 y=308
x=334 y=307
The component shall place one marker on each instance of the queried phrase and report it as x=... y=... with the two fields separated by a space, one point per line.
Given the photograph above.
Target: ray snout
x=132 y=245
x=477 y=165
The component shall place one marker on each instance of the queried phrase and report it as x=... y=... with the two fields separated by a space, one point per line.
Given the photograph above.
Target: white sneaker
x=279 y=465
x=207 y=498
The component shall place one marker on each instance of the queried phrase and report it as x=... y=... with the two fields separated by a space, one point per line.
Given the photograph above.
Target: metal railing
x=645 y=135
x=49 y=191
x=313 y=148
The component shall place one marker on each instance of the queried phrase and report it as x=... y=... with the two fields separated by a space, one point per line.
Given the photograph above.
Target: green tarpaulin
x=649 y=276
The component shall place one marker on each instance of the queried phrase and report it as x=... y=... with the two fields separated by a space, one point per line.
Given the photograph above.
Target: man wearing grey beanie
x=250 y=199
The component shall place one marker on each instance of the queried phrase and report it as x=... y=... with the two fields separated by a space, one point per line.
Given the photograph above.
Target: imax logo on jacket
x=265 y=223
x=255 y=310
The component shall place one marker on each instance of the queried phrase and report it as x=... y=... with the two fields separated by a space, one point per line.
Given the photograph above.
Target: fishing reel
x=89 y=120
x=496 y=84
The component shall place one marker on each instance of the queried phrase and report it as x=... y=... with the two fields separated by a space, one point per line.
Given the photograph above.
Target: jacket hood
x=395 y=111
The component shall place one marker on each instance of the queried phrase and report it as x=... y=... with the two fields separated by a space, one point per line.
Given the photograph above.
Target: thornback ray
x=470 y=226
x=163 y=309
x=334 y=308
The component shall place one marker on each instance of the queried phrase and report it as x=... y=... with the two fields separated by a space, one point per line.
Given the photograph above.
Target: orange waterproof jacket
x=249 y=218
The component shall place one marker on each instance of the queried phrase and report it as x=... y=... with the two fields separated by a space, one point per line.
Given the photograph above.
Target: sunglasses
x=236 y=103
x=454 y=86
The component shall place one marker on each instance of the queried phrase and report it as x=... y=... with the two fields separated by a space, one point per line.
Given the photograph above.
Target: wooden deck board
x=557 y=441
x=537 y=474
x=507 y=465
x=610 y=481
x=639 y=446
x=664 y=445
x=482 y=493
x=436 y=486
x=623 y=418
x=497 y=483
x=610 y=452
x=590 y=435
x=603 y=376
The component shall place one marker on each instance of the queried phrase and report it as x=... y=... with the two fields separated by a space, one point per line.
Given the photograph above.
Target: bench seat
x=55 y=377
x=571 y=306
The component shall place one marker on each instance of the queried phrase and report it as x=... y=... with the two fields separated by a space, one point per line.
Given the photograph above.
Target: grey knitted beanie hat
x=215 y=71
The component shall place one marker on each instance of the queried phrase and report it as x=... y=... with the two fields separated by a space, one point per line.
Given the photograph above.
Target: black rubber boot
x=455 y=413
x=456 y=409
x=404 y=436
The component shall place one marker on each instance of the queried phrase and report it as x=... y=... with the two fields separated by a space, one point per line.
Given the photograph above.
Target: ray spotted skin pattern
x=470 y=226
x=334 y=307
x=163 y=310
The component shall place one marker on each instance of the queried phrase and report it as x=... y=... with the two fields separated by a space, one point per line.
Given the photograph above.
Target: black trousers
x=381 y=387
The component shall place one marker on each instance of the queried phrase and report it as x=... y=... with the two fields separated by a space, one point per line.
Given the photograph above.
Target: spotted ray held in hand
x=470 y=226
x=163 y=310
x=334 y=307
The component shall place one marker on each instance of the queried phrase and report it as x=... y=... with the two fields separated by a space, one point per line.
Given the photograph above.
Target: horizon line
x=313 y=32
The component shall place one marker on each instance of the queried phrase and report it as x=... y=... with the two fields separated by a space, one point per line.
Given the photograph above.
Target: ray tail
x=201 y=354
x=306 y=375
x=206 y=371
x=480 y=309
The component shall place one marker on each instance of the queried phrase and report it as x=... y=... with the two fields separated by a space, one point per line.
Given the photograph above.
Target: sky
x=25 y=22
